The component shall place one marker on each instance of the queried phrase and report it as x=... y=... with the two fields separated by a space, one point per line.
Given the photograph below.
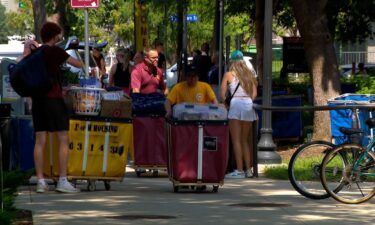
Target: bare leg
x=245 y=146
x=235 y=132
x=63 y=143
x=40 y=143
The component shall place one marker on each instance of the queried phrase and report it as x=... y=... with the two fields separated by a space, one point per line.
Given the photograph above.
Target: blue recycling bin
x=22 y=142
x=343 y=117
x=285 y=125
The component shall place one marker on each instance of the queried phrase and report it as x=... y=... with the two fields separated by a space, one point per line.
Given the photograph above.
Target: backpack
x=30 y=77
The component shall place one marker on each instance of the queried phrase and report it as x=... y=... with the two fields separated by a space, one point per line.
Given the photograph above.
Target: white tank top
x=240 y=91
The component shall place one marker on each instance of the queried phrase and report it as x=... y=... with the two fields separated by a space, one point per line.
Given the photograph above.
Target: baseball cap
x=236 y=55
x=191 y=70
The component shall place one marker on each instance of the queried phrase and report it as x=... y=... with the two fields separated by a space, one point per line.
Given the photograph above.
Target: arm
x=224 y=86
x=111 y=75
x=168 y=107
x=255 y=92
x=74 y=62
x=135 y=82
x=102 y=65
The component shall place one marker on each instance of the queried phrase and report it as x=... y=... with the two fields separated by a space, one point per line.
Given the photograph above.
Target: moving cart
x=197 y=153
x=150 y=147
x=98 y=150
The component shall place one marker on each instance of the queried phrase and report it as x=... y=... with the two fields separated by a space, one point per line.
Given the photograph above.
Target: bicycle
x=309 y=156
x=348 y=171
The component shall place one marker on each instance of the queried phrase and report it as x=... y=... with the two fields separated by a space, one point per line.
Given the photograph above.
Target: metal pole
x=184 y=37
x=266 y=146
x=227 y=52
x=221 y=28
x=87 y=42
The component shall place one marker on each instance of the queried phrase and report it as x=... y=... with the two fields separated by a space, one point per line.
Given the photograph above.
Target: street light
x=266 y=146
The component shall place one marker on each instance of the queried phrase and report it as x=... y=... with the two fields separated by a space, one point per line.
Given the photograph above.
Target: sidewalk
x=151 y=200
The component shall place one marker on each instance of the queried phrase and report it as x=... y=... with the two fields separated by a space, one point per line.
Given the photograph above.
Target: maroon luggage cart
x=197 y=153
x=150 y=147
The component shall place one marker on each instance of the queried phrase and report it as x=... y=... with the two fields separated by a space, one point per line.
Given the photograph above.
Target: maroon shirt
x=54 y=57
x=145 y=80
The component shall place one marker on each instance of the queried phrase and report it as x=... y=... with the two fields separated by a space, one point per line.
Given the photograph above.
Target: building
x=10 y=5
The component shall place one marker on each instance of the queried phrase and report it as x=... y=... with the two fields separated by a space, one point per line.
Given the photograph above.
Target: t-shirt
x=54 y=57
x=145 y=80
x=201 y=93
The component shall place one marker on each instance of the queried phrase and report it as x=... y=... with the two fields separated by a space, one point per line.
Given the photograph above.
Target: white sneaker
x=66 y=187
x=249 y=173
x=41 y=187
x=235 y=175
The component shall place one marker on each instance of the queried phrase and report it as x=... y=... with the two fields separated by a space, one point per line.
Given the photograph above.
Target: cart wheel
x=107 y=185
x=138 y=173
x=91 y=186
x=192 y=187
x=215 y=188
x=155 y=173
x=175 y=188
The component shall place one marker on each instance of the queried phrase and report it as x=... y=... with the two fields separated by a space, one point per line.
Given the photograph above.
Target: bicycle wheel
x=349 y=167
x=304 y=169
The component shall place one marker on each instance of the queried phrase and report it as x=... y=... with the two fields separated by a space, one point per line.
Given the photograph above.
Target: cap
x=236 y=55
x=191 y=70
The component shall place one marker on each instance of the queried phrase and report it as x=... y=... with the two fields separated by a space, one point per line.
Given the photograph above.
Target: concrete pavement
x=150 y=200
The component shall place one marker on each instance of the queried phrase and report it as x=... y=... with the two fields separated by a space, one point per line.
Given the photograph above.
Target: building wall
x=10 y=5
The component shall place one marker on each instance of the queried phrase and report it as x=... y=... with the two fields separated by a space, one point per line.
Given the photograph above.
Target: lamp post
x=266 y=146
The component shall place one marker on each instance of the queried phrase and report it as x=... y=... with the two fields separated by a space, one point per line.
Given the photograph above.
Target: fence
x=349 y=57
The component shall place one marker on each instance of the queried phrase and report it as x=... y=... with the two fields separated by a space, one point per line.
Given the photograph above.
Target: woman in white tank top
x=241 y=113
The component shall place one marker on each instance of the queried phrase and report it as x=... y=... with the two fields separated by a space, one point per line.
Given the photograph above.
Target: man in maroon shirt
x=146 y=77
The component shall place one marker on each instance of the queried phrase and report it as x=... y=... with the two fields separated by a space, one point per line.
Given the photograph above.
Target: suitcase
x=150 y=148
x=197 y=153
x=98 y=149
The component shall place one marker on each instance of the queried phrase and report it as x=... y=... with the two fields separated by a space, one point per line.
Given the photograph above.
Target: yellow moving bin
x=98 y=150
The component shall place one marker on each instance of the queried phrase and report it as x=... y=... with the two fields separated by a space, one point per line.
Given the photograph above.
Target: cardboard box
x=117 y=108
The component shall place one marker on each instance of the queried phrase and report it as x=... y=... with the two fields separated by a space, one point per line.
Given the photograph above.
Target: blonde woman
x=241 y=113
x=119 y=74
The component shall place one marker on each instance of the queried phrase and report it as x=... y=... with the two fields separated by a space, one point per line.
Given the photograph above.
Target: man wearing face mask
x=146 y=77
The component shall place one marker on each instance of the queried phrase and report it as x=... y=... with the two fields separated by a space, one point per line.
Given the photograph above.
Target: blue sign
x=189 y=18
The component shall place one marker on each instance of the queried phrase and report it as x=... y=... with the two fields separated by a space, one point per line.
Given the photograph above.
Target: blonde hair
x=244 y=75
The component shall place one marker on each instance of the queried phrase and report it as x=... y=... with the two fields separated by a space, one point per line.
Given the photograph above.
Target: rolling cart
x=150 y=147
x=98 y=150
x=197 y=153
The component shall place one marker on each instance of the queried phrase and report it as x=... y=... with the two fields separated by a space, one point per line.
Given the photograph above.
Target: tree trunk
x=259 y=36
x=320 y=55
x=39 y=14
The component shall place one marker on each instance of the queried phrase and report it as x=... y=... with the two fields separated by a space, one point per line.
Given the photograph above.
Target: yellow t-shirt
x=202 y=93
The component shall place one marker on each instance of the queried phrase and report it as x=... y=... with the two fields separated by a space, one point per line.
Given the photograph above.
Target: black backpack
x=30 y=77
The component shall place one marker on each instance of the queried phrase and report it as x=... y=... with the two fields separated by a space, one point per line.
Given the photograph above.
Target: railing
x=369 y=106
x=357 y=57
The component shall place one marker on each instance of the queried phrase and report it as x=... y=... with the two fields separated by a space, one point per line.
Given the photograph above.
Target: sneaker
x=249 y=173
x=235 y=175
x=41 y=187
x=66 y=187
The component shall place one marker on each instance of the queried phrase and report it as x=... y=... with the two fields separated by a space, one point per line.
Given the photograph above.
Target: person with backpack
x=49 y=112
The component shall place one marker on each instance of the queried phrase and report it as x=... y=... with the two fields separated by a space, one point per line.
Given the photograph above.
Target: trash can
x=22 y=143
x=343 y=117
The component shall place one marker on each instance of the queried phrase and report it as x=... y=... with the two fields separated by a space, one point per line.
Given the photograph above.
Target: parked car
x=76 y=49
x=346 y=70
x=171 y=75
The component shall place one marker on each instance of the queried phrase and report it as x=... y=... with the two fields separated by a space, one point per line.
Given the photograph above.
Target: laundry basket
x=86 y=100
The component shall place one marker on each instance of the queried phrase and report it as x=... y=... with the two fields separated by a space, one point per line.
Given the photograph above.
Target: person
x=203 y=62
x=146 y=77
x=50 y=113
x=241 y=113
x=161 y=57
x=138 y=58
x=99 y=59
x=213 y=73
x=190 y=91
x=119 y=74
x=361 y=69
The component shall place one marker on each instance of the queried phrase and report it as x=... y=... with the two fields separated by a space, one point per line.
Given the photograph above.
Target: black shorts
x=50 y=114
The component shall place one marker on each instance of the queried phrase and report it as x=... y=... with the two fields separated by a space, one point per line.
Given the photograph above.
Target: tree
x=312 y=23
x=39 y=14
x=3 y=25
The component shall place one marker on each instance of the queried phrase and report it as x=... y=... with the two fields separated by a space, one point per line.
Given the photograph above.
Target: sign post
x=85 y=4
